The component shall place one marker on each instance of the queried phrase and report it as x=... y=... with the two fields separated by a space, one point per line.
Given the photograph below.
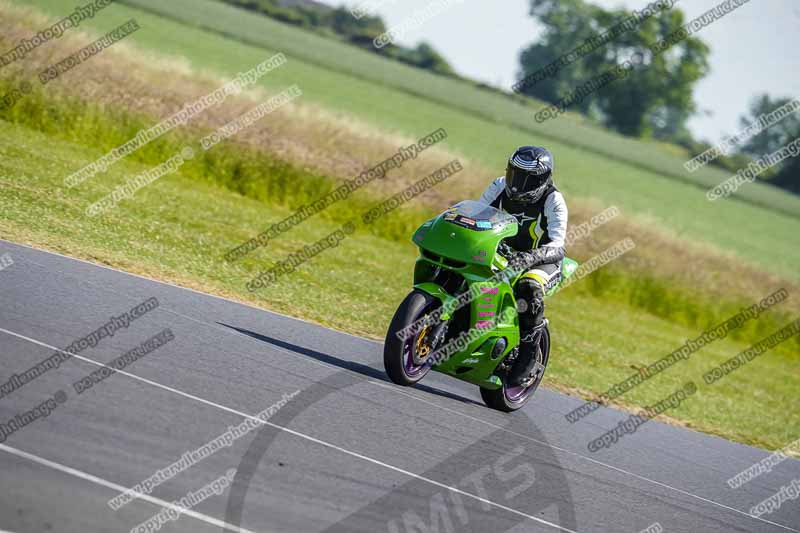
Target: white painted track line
x=119 y=488
x=295 y=433
x=396 y=390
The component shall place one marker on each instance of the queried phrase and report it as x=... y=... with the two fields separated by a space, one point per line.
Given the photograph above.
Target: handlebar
x=505 y=250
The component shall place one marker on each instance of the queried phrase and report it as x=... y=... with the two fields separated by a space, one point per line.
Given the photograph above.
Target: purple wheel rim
x=520 y=394
x=516 y=394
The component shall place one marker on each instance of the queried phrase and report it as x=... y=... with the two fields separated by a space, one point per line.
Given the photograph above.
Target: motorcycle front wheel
x=405 y=359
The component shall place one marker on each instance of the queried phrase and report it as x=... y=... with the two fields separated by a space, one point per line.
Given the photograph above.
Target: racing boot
x=529 y=353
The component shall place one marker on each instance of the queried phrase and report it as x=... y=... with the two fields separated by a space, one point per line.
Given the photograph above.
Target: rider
x=527 y=192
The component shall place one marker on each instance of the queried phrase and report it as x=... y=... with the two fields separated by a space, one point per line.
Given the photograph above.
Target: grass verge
x=356 y=286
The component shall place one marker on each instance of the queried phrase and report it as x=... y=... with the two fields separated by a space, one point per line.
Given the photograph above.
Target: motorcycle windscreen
x=468 y=232
x=477 y=216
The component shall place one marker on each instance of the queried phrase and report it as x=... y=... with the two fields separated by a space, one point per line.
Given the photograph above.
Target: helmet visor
x=525 y=184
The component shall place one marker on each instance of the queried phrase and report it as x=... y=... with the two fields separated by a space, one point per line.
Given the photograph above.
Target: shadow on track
x=359 y=368
x=494 y=466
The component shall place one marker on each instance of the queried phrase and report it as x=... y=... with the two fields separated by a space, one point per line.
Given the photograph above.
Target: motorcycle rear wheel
x=508 y=399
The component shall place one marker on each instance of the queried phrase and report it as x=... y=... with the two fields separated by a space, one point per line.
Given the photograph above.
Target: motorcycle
x=461 y=318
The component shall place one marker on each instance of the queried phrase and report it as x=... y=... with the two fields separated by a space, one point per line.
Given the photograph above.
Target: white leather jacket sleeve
x=556 y=213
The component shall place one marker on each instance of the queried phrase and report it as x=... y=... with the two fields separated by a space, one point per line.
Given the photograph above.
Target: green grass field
x=516 y=112
x=159 y=234
x=178 y=228
x=255 y=173
x=483 y=125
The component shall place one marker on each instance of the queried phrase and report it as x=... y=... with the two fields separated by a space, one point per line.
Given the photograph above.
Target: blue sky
x=753 y=50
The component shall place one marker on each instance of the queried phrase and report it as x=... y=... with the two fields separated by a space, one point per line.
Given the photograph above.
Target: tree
x=655 y=99
x=773 y=137
x=360 y=31
x=429 y=58
x=787 y=174
x=340 y=23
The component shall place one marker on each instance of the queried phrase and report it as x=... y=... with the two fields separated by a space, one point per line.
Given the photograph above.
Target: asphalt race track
x=349 y=451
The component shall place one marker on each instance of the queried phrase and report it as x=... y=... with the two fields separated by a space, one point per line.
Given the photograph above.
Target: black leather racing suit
x=540 y=242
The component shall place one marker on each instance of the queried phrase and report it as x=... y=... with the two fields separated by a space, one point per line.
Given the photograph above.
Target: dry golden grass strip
x=144 y=83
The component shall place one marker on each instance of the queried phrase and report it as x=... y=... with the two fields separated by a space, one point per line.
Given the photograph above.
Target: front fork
x=430 y=339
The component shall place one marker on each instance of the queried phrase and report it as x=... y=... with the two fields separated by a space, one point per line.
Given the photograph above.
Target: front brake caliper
x=422 y=348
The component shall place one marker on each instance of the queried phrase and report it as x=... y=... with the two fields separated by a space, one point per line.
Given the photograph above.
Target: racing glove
x=539 y=256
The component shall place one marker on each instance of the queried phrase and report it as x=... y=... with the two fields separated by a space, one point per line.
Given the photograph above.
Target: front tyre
x=404 y=360
x=509 y=399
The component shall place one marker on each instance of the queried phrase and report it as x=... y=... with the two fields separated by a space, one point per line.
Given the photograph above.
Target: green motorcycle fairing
x=458 y=254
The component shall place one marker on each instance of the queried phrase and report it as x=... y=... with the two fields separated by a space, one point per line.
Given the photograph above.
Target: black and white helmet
x=529 y=173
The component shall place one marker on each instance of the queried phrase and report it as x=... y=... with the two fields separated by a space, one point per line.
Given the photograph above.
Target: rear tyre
x=509 y=399
x=404 y=360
